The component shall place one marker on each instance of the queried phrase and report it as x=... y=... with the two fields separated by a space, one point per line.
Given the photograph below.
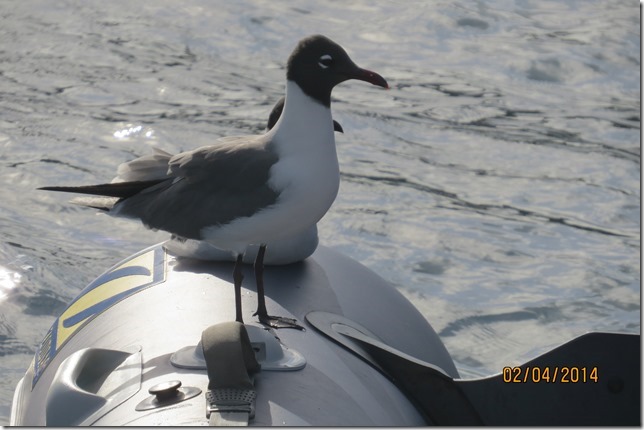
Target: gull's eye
x=325 y=61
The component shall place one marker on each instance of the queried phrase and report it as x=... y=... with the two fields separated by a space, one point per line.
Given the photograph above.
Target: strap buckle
x=222 y=400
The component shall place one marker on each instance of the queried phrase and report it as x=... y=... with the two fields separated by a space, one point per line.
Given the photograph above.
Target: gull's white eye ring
x=325 y=61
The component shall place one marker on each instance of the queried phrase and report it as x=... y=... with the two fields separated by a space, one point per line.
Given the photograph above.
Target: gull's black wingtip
x=337 y=127
x=119 y=189
x=53 y=188
x=62 y=189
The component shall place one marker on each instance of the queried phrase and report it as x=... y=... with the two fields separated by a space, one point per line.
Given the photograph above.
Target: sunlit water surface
x=496 y=184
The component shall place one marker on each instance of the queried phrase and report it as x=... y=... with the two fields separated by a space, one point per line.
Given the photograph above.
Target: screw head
x=165 y=390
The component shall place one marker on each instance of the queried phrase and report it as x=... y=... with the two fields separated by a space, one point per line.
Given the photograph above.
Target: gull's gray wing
x=208 y=186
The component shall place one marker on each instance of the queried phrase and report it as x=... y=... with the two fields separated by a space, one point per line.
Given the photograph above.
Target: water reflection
x=497 y=183
x=9 y=280
x=133 y=131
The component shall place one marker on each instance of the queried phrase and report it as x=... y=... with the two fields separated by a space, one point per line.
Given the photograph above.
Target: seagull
x=287 y=250
x=245 y=190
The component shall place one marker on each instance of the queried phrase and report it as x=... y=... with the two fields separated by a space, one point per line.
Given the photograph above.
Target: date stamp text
x=550 y=374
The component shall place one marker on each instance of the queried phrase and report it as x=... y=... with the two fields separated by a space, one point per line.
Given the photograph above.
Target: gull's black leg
x=237 y=278
x=262 y=313
x=259 y=279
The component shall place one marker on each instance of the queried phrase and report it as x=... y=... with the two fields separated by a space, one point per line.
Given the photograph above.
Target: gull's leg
x=237 y=278
x=259 y=279
x=262 y=313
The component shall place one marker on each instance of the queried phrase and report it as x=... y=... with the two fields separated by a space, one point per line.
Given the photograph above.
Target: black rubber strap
x=230 y=362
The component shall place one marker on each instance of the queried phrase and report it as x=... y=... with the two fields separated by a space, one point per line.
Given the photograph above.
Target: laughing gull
x=286 y=250
x=252 y=189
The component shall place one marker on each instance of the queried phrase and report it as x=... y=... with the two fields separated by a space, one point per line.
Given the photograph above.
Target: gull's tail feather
x=96 y=202
x=147 y=168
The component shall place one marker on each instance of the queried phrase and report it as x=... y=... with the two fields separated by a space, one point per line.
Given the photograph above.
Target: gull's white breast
x=306 y=175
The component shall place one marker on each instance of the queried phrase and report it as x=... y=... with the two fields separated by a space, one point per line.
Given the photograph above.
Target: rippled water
x=496 y=184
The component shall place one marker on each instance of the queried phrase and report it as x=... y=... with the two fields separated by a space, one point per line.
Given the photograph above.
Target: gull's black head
x=318 y=64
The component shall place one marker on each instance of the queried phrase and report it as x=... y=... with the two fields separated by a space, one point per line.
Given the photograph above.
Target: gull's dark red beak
x=352 y=71
x=371 y=77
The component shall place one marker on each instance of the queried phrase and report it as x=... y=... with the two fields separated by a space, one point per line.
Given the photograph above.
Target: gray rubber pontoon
x=152 y=341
